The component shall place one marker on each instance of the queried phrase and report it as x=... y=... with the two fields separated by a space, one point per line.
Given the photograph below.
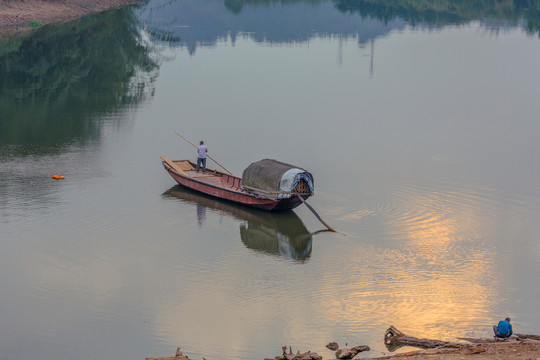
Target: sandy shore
x=509 y=349
x=16 y=14
x=478 y=349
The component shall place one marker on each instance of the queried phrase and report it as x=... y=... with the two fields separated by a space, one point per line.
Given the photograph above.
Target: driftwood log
x=394 y=339
x=346 y=353
x=298 y=356
x=352 y=352
x=178 y=356
x=528 y=336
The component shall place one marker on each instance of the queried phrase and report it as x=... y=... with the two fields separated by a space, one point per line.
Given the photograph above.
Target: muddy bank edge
x=16 y=16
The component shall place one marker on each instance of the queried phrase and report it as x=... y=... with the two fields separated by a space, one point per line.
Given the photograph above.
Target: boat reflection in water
x=280 y=234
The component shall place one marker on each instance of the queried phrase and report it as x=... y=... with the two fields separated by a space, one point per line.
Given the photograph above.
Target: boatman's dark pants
x=199 y=161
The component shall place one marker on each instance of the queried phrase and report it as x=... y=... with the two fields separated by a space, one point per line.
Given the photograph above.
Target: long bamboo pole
x=211 y=158
x=315 y=213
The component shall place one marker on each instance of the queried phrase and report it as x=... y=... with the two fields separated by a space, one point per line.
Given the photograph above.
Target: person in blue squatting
x=503 y=330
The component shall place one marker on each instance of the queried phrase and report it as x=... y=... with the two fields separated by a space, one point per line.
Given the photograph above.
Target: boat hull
x=236 y=195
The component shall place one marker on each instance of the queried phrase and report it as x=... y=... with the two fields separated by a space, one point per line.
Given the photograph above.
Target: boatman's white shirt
x=202 y=151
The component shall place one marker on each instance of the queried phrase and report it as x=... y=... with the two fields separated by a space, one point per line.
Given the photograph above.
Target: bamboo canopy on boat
x=272 y=179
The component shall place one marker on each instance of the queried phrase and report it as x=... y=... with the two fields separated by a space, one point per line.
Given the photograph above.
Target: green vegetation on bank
x=34 y=24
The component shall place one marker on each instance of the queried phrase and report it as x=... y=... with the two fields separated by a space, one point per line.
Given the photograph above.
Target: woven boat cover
x=272 y=179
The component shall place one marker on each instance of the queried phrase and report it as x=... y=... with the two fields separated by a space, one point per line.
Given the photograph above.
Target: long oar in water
x=211 y=158
x=315 y=213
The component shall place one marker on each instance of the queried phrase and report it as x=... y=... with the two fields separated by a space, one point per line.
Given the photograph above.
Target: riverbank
x=17 y=16
x=511 y=349
x=474 y=349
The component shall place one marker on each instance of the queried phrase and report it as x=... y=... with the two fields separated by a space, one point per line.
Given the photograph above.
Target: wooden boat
x=230 y=187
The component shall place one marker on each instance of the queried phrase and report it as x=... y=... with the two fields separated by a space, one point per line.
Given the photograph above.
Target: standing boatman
x=201 y=156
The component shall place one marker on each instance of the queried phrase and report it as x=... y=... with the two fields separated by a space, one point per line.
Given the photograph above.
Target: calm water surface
x=421 y=130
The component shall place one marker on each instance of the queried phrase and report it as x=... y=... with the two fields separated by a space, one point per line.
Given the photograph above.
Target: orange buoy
x=56 y=177
x=62 y=178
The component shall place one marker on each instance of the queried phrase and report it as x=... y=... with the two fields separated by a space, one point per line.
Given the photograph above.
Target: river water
x=420 y=127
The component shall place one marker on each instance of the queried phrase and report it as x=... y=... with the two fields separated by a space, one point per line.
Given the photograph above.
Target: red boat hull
x=232 y=193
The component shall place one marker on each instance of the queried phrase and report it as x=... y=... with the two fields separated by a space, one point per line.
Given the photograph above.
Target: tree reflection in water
x=56 y=81
x=441 y=13
x=299 y=21
x=420 y=12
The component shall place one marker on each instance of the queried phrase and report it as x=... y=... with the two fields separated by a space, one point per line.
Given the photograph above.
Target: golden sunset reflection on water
x=441 y=270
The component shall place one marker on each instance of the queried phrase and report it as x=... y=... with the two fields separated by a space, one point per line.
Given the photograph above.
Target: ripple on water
x=462 y=209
